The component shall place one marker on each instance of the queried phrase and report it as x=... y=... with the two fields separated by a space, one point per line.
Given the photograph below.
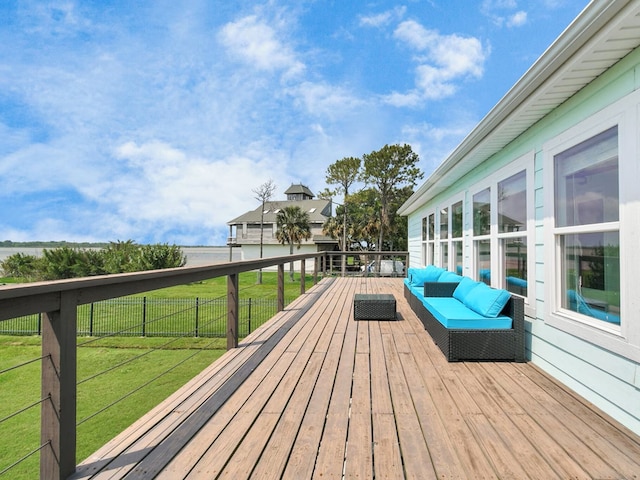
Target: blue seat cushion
x=453 y=314
x=486 y=301
x=416 y=290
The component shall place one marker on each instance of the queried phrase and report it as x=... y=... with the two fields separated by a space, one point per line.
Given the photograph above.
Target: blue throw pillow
x=428 y=274
x=487 y=301
x=463 y=288
x=450 y=277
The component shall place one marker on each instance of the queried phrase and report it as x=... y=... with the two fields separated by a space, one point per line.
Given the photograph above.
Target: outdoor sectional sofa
x=468 y=320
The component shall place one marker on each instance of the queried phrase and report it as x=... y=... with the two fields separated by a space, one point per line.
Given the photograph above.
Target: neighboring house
x=244 y=231
x=541 y=198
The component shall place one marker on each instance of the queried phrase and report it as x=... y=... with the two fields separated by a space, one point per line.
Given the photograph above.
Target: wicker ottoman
x=374 y=307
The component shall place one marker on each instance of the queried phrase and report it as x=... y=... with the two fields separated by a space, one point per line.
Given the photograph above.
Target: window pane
x=444 y=255
x=483 y=260
x=456 y=220
x=430 y=254
x=482 y=212
x=432 y=226
x=591 y=274
x=457 y=251
x=515 y=265
x=424 y=229
x=587 y=182
x=444 y=223
x=512 y=203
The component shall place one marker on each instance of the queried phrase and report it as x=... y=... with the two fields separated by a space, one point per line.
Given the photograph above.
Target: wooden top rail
x=26 y=299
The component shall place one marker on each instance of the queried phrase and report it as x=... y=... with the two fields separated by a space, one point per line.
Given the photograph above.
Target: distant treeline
x=52 y=244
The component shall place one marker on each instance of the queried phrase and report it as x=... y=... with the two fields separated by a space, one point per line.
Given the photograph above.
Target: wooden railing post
x=315 y=269
x=303 y=275
x=58 y=412
x=233 y=305
x=280 y=287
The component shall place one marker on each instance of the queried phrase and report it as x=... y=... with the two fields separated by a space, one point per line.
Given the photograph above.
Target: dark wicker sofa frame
x=472 y=345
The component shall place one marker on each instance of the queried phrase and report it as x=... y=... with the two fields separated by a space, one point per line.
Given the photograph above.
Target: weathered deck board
x=316 y=394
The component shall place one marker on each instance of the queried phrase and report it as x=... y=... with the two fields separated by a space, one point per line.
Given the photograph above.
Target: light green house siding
x=601 y=366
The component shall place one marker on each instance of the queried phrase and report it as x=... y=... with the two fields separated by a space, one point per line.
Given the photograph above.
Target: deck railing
x=58 y=302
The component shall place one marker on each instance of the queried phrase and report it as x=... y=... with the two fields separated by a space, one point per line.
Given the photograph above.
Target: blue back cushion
x=429 y=274
x=486 y=301
x=463 y=288
x=450 y=277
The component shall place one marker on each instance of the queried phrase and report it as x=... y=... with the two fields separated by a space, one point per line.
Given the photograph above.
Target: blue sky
x=154 y=120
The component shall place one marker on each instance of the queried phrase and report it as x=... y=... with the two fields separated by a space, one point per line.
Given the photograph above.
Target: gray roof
x=318 y=210
x=299 y=188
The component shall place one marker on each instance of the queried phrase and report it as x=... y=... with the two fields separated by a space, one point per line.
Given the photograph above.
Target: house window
x=456 y=236
x=431 y=239
x=425 y=238
x=512 y=232
x=444 y=237
x=587 y=227
x=481 y=235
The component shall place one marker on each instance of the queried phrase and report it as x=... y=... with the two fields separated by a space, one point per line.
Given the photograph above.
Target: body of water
x=196 y=256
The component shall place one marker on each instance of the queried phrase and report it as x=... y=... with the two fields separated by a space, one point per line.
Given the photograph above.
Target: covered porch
x=317 y=394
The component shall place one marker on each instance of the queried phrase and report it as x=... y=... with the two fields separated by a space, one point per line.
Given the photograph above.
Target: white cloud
x=433 y=143
x=501 y=13
x=257 y=43
x=166 y=184
x=383 y=19
x=517 y=19
x=488 y=5
x=325 y=100
x=443 y=61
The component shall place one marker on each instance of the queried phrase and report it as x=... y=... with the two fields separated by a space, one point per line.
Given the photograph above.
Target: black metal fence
x=156 y=317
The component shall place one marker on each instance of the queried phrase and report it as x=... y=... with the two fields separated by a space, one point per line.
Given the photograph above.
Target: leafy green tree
x=391 y=168
x=364 y=224
x=344 y=173
x=292 y=228
x=398 y=231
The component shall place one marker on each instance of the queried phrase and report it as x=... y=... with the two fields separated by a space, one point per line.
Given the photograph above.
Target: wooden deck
x=316 y=394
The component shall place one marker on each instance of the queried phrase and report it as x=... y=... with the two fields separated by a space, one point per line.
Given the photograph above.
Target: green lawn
x=217 y=287
x=20 y=388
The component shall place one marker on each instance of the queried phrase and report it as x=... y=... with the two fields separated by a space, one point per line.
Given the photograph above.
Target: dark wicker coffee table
x=374 y=306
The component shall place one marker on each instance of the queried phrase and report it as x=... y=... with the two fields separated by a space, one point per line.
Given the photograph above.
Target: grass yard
x=217 y=287
x=21 y=387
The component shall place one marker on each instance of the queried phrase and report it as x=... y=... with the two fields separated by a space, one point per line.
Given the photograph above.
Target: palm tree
x=293 y=228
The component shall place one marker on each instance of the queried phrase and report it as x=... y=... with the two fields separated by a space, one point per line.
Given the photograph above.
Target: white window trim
x=459 y=197
x=624 y=340
x=524 y=162
x=429 y=242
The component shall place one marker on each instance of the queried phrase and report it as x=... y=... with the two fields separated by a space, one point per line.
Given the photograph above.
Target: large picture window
x=512 y=232
x=444 y=237
x=587 y=227
x=481 y=235
x=456 y=236
x=431 y=240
